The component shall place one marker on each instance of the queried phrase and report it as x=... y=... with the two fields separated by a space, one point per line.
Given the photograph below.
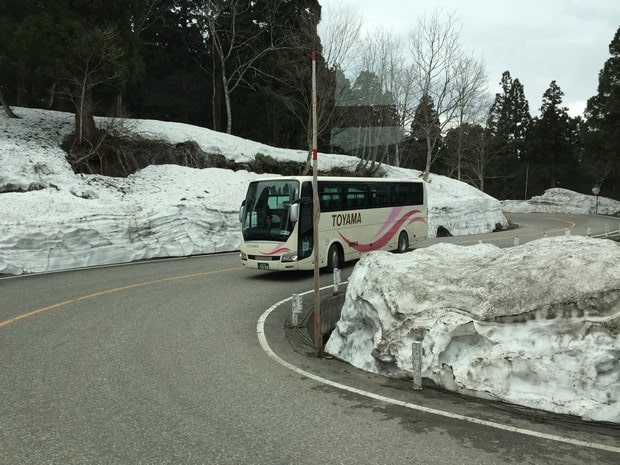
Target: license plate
x=263 y=266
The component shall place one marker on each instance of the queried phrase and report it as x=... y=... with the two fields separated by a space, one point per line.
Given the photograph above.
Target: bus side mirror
x=241 y=211
x=294 y=212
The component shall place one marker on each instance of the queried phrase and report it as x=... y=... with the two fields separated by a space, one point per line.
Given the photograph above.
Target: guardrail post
x=336 y=280
x=516 y=240
x=416 y=358
x=606 y=230
x=297 y=310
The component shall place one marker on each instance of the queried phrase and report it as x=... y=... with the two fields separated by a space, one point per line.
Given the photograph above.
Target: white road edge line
x=260 y=330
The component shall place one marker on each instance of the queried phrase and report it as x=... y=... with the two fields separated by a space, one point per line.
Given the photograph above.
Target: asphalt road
x=161 y=363
x=527 y=227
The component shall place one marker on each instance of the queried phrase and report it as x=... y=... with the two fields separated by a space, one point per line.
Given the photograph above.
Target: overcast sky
x=538 y=41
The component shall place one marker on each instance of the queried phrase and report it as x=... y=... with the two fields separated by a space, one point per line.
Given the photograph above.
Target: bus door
x=305 y=222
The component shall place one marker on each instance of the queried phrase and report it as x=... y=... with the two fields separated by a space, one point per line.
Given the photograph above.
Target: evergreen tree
x=70 y=48
x=508 y=124
x=601 y=134
x=470 y=139
x=34 y=37
x=424 y=137
x=174 y=87
x=553 y=141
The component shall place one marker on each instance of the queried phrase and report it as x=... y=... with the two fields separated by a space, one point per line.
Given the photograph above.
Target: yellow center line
x=572 y=224
x=111 y=291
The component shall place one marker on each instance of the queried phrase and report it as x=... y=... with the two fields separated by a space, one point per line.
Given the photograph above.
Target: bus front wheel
x=403 y=242
x=335 y=258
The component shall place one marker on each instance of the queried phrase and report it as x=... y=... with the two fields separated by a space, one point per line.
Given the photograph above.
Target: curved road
x=530 y=226
x=160 y=363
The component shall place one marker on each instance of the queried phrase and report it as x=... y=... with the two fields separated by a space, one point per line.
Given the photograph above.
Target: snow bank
x=535 y=325
x=564 y=201
x=53 y=219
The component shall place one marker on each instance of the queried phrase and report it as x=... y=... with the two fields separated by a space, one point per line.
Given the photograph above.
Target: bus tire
x=335 y=257
x=403 y=242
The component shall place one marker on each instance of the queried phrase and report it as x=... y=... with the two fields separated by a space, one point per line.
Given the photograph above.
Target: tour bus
x=356 y=215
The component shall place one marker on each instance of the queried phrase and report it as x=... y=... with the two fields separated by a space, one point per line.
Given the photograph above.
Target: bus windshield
x=265 y=214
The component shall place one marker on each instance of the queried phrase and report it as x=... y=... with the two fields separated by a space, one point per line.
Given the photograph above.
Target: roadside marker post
x=416 y=358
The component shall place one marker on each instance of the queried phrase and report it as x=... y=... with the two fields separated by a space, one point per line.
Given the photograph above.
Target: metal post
x=596 y=189
x=596 y=209
x=416 y=359
x=336 y=280
x=318 y=336
x=297 y=310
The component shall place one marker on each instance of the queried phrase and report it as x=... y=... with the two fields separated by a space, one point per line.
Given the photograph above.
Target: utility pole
x=318 y=336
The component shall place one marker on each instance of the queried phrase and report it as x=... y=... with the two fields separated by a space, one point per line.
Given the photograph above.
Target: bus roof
x=339 y=178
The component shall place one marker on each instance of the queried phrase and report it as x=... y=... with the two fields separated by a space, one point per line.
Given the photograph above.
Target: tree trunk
x=85 y=129
x=5 y=105
x=429 y=159
x=218 y=92
x=51 y=96
x=308 y=165
x=228 y=111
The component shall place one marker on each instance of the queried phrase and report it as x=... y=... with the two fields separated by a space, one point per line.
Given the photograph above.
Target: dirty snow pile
x=536 y=325
x=559 y=200
x=53 y=219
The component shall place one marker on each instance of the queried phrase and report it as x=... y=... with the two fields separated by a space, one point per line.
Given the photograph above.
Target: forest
x=243 y=67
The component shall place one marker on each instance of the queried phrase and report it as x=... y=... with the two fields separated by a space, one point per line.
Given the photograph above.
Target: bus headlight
x=289 y=257
x=243 y=256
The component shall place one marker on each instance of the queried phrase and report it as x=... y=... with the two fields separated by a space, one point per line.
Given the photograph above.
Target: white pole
x=297 y=310
x=416 y=358
x=336 y=280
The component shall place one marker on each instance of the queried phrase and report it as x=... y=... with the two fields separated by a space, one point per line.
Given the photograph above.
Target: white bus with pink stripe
x=357 y=215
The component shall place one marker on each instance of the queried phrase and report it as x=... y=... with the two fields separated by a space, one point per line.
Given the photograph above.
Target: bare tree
x=340 y=40
x=473 y=103
x=478 y=157
x=340 y=36
x=339 y=32
x=439 y=71
x=236 y=49
x=153 y=11
x=383 y=54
